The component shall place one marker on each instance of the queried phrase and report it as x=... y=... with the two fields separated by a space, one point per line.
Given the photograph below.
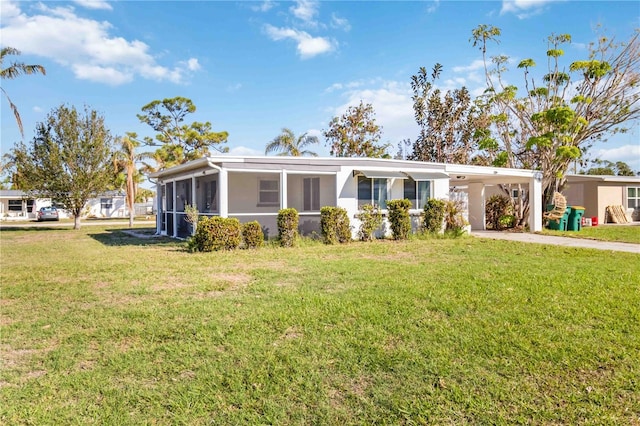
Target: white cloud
x=305 y=10
x=433 y=6
x=37 y=109
x=234 y=87
x=629 y=154
x=340 y=23
x=244 y=151
x=391 y=101
x=307 y=46
x=94 y=4
x=265 y=6
x=524 y=8
x=85 y=46
x=473 y=66
x=193 y=64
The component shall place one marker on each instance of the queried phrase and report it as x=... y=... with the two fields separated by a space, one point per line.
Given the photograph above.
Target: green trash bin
x=561 y=224
x=575 y=218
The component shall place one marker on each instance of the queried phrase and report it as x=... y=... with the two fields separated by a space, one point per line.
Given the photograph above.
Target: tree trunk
x=131 y=214
x=76 y=221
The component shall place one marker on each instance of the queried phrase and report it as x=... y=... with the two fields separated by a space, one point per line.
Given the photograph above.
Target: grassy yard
x=99 y=327
x=621 y=233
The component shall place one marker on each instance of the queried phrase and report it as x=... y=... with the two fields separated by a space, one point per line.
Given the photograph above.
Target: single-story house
x=595 y=193
x=17 y=205
x=256 y=188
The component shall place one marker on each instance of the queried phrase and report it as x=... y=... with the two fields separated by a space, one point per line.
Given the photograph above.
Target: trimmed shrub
x=453 y=217
x=216 y=233
x=433 y=216
x=496 y=207
x=370 y=220
x=399 y=218
x=288 y=226
x=252 y=235
x=334 y=225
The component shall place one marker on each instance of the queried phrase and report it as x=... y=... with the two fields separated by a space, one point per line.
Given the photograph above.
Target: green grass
x=99 y=327
x=620 y=233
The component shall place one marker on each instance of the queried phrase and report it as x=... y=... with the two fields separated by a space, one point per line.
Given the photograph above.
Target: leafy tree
x=356 y=134
x=550 y=123
x=126 y=162
x=288 y=144
x=448 y=122
x=177 y=142
x=604 y=167
x=69 y=160
x=16 y=69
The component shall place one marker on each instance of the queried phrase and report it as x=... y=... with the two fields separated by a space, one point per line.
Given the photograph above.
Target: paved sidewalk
x=526 y=237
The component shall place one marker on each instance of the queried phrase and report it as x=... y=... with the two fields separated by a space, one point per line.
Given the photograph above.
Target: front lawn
x=104 y=328
x=620 y=233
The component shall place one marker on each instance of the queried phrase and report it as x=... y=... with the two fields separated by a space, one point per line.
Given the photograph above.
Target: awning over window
x=380 y=174
x=427 y=176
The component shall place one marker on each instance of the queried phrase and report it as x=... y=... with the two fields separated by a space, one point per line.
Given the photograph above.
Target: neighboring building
x=595 y=193
x=256 y=188
x=15 y=205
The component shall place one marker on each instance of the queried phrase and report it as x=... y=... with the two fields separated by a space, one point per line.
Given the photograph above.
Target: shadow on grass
x=10 y=228
x=132 y=237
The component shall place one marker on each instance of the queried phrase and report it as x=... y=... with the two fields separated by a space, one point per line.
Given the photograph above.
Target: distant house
x=256 y=188
x=17 y=205
x=595 y=193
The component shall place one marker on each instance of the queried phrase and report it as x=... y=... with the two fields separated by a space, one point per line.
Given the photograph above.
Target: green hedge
x=433 y=216
x=216 y=233
x=399 y=218
x=370 y=220
x=252 y=235
x=334 y=225
x=288 y=226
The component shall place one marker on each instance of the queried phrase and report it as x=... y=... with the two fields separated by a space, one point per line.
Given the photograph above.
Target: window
x=372 y=191
x=106 y=203
x=417 y=191
x=268 y=192
x=15 y=205
x=311 y=194
x=30 y=204
x=515 y=193
x=633 y=197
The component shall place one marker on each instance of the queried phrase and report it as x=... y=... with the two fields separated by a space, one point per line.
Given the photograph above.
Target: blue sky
x=252 y=68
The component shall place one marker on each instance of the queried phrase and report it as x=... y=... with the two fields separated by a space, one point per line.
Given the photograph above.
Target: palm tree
x=125 y=162
x=288 y=144
x=14 y=70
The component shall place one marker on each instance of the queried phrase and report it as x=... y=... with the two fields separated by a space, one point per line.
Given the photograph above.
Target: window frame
x=266 y=203
x=311 y=194
x=13 y=206
x=374 y=187
x=418 y=189
x=106 y=203
x=636 y=197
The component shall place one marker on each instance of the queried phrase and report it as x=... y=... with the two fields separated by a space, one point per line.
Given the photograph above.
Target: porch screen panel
x=183 y=194
x=207 y=194
x=169 y=204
